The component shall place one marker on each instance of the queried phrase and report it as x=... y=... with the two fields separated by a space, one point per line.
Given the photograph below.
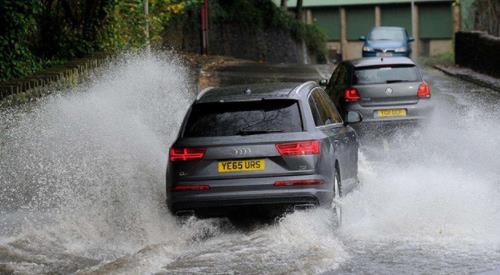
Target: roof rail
x=202 y=92
x=297 y=89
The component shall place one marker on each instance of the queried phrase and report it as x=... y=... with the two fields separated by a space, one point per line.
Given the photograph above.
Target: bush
x=37 y=33
x=18 y=28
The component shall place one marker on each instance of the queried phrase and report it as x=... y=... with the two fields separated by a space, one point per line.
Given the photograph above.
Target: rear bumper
x=415 y=113
x=232 y=196
x=246 y=207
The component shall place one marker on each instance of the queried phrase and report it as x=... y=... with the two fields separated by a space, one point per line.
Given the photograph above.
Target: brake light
x=310 y=147
x=424 y=90
x=351 y=94
x=297 y=182
x=190 y=188
x=185 y=154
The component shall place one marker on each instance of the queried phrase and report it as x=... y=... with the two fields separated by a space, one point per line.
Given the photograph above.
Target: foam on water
x=439 y=183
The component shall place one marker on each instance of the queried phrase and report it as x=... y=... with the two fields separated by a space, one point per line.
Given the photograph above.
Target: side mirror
x=362 y=38
x=323 y=82
x=353 y=117
x=411 y=39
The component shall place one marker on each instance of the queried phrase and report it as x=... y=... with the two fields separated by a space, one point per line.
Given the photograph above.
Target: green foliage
x=38 y=33
x=125 y=25
x=17 y=28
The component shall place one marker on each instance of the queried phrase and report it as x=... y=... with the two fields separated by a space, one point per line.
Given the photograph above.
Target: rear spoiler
x=202 y=92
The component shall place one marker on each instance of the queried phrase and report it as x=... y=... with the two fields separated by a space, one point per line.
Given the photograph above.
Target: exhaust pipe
x=304 y=206
x=184 y=213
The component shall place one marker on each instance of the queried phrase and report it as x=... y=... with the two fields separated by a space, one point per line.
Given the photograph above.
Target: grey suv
x=264 y=147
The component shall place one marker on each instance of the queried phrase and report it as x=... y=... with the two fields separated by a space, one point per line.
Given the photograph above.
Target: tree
x=487 y=16
x=299 y=11
x=284 y=5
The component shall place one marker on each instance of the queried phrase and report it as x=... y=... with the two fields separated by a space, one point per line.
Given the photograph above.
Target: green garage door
x=328 y=21
x=435 y=20
x=360 y=20
x=397 y=15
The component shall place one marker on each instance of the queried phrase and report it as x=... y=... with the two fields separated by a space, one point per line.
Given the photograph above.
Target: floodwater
x=82 y=189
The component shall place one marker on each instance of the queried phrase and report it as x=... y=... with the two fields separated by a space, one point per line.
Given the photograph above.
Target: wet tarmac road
x=82 y=187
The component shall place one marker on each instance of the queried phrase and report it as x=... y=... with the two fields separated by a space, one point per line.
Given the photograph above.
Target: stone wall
x=271 y=45
x=66 y=75
x=478 y=51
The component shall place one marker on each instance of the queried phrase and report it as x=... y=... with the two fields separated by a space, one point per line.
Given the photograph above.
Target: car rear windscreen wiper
x=394 y=81
x=257 y=132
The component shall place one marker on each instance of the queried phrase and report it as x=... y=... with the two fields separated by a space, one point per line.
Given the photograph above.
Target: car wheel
x=337 y=194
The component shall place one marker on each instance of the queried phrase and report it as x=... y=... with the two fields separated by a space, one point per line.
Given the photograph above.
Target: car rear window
x=385 y=74
x=243 y=118
x=387 y=34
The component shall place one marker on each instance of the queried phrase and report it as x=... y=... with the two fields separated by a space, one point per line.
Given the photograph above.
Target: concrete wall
x=353 y=50
x=437 y=47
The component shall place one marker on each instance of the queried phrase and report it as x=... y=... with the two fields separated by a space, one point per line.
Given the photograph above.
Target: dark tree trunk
x=299 y=11
x=284 y=5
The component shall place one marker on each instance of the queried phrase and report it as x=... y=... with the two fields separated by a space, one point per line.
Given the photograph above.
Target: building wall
x=440 y=46
x=435 y=21
x=353 y=50
x=397 y=15
x=435 y=26
x=328 y=20
x=360 y=20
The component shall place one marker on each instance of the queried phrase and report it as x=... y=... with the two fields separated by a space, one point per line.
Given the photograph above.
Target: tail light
x=424 y=90
x=310 y=147
x=190 y=188
x=185 y=154
x=351 y=94
x=297 y=182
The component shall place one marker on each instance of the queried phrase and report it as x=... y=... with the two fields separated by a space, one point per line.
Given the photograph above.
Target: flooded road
x=82 y=186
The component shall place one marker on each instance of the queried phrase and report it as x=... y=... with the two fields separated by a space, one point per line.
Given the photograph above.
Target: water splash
x=82 y=188
x=429 y=196
x=82 y=178
x=87 y=166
